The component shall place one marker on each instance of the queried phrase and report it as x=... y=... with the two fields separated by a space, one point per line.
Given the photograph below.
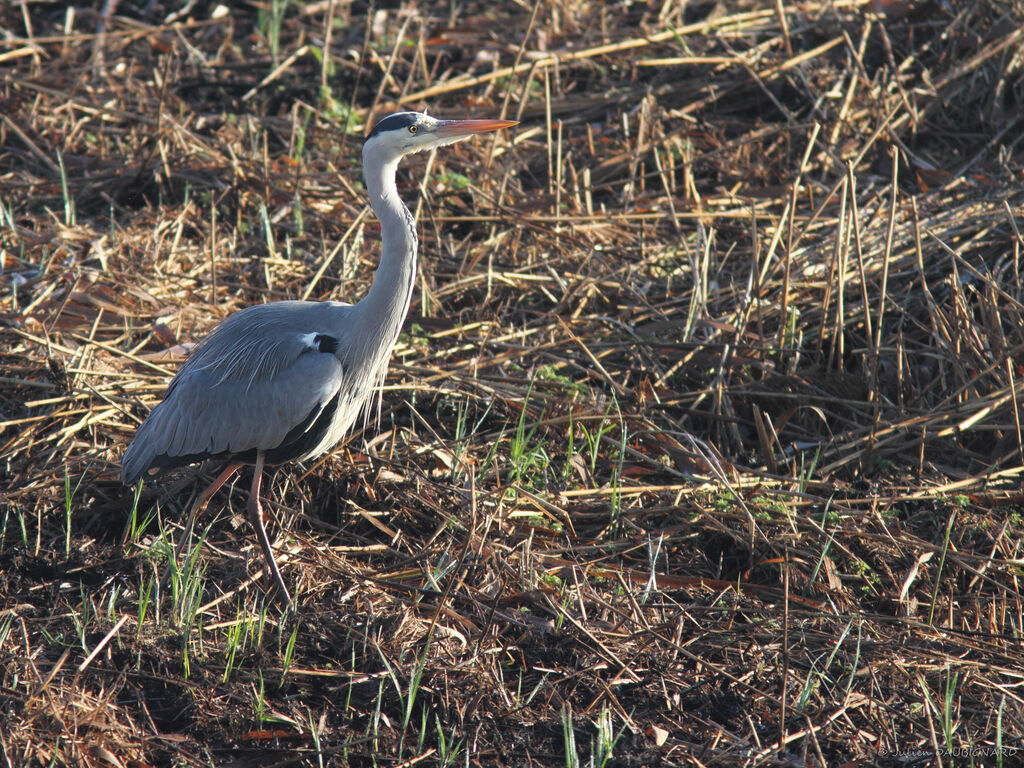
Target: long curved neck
x=384 y=307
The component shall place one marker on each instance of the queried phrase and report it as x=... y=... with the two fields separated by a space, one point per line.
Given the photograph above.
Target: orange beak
x=453 y=128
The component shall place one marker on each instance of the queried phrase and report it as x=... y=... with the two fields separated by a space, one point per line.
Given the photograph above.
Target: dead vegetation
x=702 y=447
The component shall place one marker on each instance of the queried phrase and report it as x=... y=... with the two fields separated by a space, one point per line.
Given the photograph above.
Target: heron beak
x=451 y=129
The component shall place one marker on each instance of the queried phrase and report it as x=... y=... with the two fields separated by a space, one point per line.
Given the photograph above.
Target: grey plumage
x=247 y=364
x=287 y=380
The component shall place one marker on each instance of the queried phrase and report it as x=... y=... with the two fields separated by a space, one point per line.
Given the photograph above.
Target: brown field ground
x=701 y=445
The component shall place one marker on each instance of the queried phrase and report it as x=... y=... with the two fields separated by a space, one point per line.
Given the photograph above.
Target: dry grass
x=703 y=445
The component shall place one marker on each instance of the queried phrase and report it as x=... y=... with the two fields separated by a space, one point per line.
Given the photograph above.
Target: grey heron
x=285 y=381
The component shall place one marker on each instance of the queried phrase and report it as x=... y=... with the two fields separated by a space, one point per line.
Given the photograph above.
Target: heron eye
x=413 y=128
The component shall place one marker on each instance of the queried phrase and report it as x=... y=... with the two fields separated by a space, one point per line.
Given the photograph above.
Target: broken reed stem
x=842 y=241
x=874 y=396
x=894 y=154
x=830 y=281
x=855 y=222
x=792 y=242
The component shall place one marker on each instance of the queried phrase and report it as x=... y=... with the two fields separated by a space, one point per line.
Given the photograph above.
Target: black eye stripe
x=395 y=122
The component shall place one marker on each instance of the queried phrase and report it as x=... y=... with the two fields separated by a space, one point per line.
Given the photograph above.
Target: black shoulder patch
x=395 y=122
x=326 y=344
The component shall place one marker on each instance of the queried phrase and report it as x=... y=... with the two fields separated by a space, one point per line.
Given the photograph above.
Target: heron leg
x=201 y=503
x=256 y=518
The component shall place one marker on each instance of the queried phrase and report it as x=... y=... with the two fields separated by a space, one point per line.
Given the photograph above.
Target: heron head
x=406 y=132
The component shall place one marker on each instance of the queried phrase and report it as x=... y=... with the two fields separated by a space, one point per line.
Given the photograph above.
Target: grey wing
x=260 y=341
x=228 y=407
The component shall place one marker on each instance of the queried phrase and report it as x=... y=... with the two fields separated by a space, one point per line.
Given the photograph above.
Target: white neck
x=382 y=311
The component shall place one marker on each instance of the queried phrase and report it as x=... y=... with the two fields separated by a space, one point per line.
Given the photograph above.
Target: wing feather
x=246 y=387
